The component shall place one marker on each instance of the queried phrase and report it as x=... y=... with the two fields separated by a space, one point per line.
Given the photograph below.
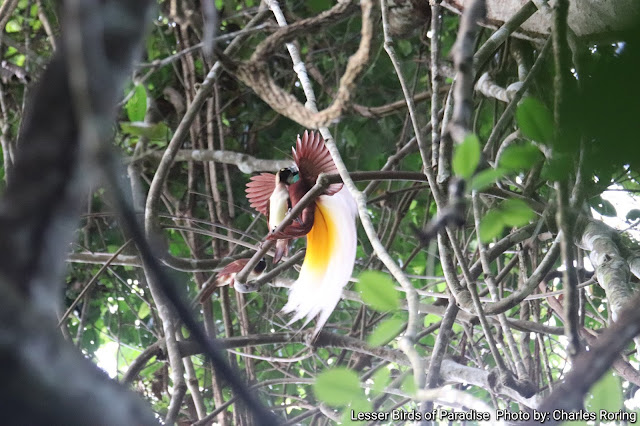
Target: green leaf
x=486 y=178
x=143 y=311
x=12 y=26
x=535 y=120
x=491 y=226
x=405 y=47
x=556 y=168
x=361 y=405
x=409 y=385
x=512 y=212
x=602 y=206
x=633 y=215
x=136 y=106
x=19 y=60
x=466 y=157
x=606 y=394
x=378 y=291
x=317 y=6
x=428 y=341
x=520 y=157
x=431 y=319
x=338 y=387
x=386 y=331
x=516 y=212
x=381 y=379
x=155 y=132
x=147 y=372
x=350 y=137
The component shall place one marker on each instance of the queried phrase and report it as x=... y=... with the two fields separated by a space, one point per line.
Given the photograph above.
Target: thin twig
x=460 y=123
x=501 y=34
x=440 y=348
x=256 y=75
x=388 y=47
x=506 y=116
x=92 y=281
x=564 y=216
x=589 y=366
x=159 y=63
x=436 y=28
x=201 y=96
x=493 y=290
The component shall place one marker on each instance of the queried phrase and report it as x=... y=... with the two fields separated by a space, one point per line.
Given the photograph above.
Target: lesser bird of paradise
x=328 y=223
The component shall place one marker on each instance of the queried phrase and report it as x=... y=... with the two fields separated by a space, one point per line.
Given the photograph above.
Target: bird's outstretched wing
x=312 y=158
x=259 y=189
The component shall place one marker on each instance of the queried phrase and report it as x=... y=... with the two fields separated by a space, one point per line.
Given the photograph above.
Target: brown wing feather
x=312 y=158
x=259 y=189
x=222 y=278
x=233 y=267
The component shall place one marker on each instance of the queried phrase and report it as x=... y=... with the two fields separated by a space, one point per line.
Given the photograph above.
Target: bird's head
x=261 y=266
x=288 y=175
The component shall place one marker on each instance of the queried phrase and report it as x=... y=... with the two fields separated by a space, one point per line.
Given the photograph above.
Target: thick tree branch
x=255 y=74
x=589 y=366
x=246 y=163
x=47 y=381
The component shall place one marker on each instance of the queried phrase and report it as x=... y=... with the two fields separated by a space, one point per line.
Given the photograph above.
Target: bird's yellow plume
x=328 y=263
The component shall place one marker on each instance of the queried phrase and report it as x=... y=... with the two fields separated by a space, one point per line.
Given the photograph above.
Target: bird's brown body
x=311 y=158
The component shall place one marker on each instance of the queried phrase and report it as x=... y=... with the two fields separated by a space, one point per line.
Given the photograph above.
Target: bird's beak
x=328 y=263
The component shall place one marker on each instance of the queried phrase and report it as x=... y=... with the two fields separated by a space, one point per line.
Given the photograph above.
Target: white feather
x=278 y=205
x=316 y=293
